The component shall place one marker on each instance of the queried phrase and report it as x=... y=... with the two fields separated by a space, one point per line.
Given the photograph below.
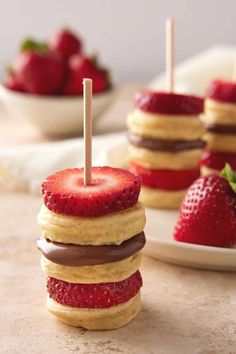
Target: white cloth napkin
x=24 y=168
x=194 y=74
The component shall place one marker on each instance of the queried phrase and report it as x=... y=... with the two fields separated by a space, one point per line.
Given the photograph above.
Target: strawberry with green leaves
x=208 y=212
x=81 y=66
x=55 y=67
x=37 y=69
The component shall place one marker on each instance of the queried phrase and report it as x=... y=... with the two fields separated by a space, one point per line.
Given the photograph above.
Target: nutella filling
x=164 y=145
x=221 y=128
x=78 y=255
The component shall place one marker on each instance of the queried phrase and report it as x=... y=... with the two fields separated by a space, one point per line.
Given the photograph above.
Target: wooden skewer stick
x=170 y=42
x=87 y=94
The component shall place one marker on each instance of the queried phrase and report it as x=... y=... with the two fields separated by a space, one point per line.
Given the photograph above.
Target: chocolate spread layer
x=77 y=255
x=221 y=128
x=164 y=145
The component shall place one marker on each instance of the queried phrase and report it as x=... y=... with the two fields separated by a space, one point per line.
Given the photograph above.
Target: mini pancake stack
x=165 y=145
x=220 y=123
x=91 y=241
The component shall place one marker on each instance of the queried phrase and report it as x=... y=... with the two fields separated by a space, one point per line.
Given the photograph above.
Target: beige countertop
x=184 y=311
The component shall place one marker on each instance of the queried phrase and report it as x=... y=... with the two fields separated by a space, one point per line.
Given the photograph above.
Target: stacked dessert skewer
x=220 y=123
x=165 y=143
x=92 y=234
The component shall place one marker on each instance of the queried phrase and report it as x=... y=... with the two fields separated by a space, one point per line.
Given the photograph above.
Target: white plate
x=159 y=233
x=160 y=244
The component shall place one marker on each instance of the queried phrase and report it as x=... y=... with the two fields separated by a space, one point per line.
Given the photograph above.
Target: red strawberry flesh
x=66 y=43
x=102 y=295
x=208 y=213
x=79 y=67
x=165 y=179
x=168 y=103
x=13 y=84
x=112 y=189
x=217 y=160
x=224 y=91
x=39 y=72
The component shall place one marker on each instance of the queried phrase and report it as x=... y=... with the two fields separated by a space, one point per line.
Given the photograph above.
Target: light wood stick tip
x=86 y=80
x=170 y=21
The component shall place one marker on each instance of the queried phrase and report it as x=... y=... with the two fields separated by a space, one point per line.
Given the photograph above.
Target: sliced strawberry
x=112 y=189
x=80 y=67
x=102 y=295
x=208 y=212
x=165 y=179
x=217 y=160
x=221 y=90
x=168 y=103
x=66 y=43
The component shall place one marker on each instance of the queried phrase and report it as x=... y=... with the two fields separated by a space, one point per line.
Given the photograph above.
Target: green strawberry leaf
x=229 y=174
x=30 y=44
x=94 y=58
x=9 y=69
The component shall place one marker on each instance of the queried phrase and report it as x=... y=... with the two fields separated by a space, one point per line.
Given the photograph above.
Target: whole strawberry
x=208 y=212
x=39 y=70
x=66 y=43
x=80 y=67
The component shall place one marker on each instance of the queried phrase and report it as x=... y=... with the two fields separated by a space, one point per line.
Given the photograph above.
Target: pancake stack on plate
x=165 y=145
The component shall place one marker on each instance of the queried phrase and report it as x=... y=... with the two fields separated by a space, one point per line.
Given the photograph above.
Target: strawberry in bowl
x=37 y=69
x=80 y=66
x=44 y=84
x=66 y=43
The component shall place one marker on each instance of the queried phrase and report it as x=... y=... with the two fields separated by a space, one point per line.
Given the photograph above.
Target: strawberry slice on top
x=208 y=212
x=168 y=103
x=217 y=160
x=222 y=90
x=112 y=189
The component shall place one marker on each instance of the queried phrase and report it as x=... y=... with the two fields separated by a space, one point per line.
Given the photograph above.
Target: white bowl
x=53 y=115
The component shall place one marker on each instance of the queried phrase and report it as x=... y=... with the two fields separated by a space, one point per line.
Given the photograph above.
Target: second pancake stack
x=165 y=145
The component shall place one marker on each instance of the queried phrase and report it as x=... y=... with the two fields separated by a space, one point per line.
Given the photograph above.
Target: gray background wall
x=129 y=34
